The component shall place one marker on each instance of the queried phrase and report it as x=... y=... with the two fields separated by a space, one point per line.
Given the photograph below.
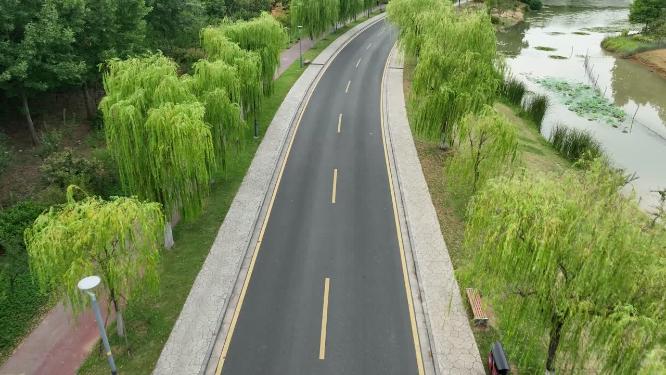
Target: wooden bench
x=480 y=317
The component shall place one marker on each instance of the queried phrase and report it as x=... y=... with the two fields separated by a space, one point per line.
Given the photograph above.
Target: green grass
x=627 y=45
x=149 y=321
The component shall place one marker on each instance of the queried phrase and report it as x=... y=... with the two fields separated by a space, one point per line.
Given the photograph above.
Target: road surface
x=327 y=293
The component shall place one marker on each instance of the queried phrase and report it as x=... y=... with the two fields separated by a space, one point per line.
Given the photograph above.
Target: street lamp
x=87 y=284
x=300 y=49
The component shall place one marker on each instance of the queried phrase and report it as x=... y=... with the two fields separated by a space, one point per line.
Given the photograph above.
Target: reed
x=574 y=144
x=536 y=106
x=513 y=90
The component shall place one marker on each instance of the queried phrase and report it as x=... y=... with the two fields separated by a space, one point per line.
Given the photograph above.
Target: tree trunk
x=120 y=324
x=86 y=98
x=555 y=331
x=31 y=125
x=168 y=236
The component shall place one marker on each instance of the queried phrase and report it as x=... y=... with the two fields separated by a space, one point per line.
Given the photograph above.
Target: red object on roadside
x=497 y=362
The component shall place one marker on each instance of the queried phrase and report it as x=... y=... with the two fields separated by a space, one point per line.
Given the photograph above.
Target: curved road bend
x=332 y=218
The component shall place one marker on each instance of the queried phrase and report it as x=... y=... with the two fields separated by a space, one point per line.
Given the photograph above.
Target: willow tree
x=119 y=240
x=349 y=9
x=263 y=35
x=457 y=72
x=315 y=16
x=573 y=270
x=247 y=64
x=161 y=155
x=413 y=17
x=486 y=147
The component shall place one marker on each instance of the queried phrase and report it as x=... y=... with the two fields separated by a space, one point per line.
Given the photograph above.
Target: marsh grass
x=536 y=106
x=513 y=90
x=574 y=144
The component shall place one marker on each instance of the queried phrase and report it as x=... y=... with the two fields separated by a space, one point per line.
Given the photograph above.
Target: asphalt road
x=332 y=218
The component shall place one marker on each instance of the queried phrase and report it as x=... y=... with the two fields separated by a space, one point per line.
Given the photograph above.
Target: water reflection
x=634 y=85
x=573 y=29
x=512 y=40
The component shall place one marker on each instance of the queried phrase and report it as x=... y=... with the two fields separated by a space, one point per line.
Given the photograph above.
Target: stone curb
x=202 y=320
x=451 y=341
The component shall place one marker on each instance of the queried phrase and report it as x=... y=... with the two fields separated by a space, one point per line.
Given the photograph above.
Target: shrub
x=64 y=168
x=50 y=142
x=20 y=299
x=513 y=90
x=5 y=153
x=574 y=144
x=536 y=107
x=13 y=221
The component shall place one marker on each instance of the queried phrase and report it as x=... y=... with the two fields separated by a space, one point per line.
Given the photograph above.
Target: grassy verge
x=536 y=155
x=149 y=321
x=628 y=45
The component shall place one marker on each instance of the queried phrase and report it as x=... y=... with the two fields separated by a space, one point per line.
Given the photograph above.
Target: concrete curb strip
x=200 y=323
x=452 y=343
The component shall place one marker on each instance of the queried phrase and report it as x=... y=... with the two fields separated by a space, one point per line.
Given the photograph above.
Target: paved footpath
x=60 y=344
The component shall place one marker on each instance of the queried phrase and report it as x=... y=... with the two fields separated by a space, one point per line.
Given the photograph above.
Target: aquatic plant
x=536 y=105
x=558 y=57
x=513 y=90
x=574 y=144
x=544 y=48
x=585 y=100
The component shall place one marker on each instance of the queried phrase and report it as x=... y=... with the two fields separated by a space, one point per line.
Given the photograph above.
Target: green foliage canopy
x=457 y=69
x=263 y=35
x=457 y=72
x=117 y=239
x=487 y=147
x=648 y=12
x=568 y=259
x=156 y=132
x=315 y=16
x=414 y=17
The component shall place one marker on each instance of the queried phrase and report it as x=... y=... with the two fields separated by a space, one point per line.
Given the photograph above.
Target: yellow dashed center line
x=324 y=320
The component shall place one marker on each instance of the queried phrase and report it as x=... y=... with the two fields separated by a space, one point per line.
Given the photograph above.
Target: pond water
x=570 y=31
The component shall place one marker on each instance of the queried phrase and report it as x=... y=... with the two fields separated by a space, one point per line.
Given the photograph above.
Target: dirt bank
x=507 y=17
x=655 y=60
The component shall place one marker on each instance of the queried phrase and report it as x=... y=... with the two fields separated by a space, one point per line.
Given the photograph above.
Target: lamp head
x=89 y=283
